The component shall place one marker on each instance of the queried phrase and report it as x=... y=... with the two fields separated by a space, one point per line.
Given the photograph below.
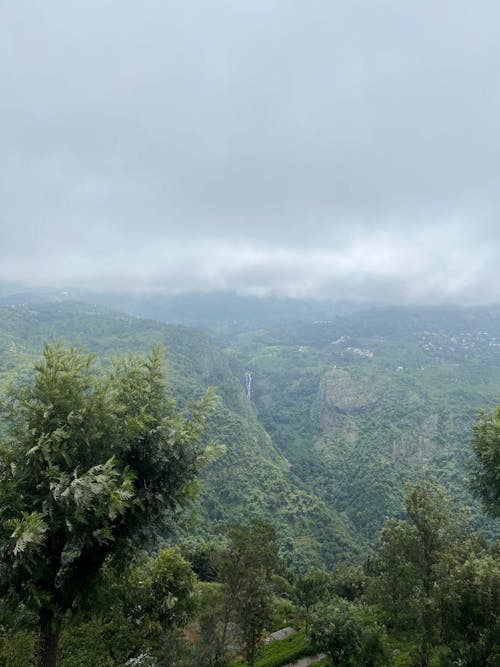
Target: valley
x=322 y=422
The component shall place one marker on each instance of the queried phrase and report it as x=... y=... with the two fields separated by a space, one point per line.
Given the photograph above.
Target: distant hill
x=219 y=312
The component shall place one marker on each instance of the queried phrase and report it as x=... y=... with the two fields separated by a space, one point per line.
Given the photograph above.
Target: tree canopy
x=93 y=460
x=486 y=467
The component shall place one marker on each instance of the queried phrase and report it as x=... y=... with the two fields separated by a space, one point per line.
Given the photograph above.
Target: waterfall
x=248 y=384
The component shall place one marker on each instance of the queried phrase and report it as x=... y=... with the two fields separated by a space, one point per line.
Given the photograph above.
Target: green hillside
x=337 y=417
x=252 y=478
x=364 y=403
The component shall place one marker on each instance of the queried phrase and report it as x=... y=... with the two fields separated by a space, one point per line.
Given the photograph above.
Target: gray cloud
x=309 y=148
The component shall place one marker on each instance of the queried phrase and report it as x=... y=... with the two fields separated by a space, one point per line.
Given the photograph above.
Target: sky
x=305 y=148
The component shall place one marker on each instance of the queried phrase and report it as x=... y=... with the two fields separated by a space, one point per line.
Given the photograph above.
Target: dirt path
x=304 y=662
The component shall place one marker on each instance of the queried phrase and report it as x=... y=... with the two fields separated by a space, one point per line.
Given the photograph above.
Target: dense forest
x=331 y=487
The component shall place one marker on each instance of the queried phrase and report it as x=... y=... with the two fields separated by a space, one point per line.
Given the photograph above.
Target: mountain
x=364 y=403
x=252 y=477
x=220 y=313
x=324 y=421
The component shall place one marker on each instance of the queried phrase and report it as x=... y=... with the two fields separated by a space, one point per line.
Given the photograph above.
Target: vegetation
x=413 y=560
x=349 y=635
x=326 y=512
x=310 y=588
x=486 y=468
x=319 y=452
x=91 y=463
x=251 y=479
x=362 y=404
x=281 y=652
x=246 y=569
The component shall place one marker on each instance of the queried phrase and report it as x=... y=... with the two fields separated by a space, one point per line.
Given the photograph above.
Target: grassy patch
x=281 y=652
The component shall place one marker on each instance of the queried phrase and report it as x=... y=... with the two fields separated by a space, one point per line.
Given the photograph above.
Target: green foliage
x=137 y=614
x=281 y=652
x=414 y=560
x=486 y=467
x=91 y=461
x=471 y=607
x=246 y=569
x=349 y=635
x=283 y=611
x=210 y=649
x=201 y=555
x=17 y=649
x=309 y=589
x=171 y=584
x=348 y=582
x=95 y=642
x=251 y=480
x=355 y=428
x=241 y=606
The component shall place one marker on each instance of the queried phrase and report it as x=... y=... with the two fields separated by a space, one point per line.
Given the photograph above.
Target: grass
x=281 y=652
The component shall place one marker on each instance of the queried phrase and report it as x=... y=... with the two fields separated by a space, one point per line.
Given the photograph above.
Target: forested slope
x=364 y=403
x=339 y=414
x=252 y=477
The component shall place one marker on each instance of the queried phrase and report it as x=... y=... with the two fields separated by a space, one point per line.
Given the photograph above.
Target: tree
x=137 y=617
x=93 y=462
x=485 y=481
x=246 y=569
x=348 y=635
x=413 y=558
x=171 y=588
x=472 y=608
x=348 y=581
x=210 y=650
x=310 y=588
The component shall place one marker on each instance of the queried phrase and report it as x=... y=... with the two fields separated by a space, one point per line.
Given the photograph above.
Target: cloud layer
x=307 y=148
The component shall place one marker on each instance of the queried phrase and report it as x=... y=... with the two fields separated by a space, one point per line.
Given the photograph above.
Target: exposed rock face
x=280 y=634
x=417 y=445
x=305 y=662
x=341 y=392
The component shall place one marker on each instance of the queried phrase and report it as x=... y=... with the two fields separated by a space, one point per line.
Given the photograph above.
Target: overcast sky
x=298 y=147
